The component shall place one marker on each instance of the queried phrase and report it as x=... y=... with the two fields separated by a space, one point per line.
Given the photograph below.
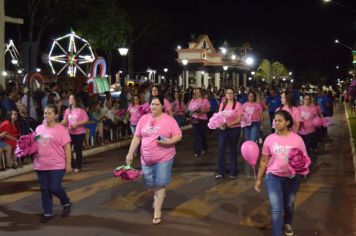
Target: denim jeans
x=157 y=175
x=77 y=142
x=230 y=136
x=51 y=184
x=281 y=194
x=199 y=136
x=180 y=119
x=251 y=132
x=133 y=129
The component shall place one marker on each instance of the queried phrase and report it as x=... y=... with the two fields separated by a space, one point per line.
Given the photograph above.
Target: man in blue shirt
x=9 y=102
x=273 y=101
x=322 y=101
x=242 y=96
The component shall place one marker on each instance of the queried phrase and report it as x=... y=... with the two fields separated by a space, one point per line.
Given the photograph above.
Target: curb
x=353 y=150
x=89 y=152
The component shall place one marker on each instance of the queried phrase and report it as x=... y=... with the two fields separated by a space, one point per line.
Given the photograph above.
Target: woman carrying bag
x=157 y=132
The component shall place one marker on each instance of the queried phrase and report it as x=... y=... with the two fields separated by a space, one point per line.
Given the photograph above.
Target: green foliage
x=271 y=71
x=104 y=24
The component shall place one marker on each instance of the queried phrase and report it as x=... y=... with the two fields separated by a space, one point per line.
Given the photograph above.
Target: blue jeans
x=199 y=136
x=281 y=194
x=251 y=132
x=230 y=136
x=51 y=184
x=180 y=119
x=133 y=129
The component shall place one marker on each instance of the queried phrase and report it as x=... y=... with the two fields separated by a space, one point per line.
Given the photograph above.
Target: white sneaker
x=288 y=230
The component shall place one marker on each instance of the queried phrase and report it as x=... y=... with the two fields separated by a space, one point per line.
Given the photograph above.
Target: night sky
x=298 y=33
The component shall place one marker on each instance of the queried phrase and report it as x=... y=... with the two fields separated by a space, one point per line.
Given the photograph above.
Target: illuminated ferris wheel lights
x=72 y=57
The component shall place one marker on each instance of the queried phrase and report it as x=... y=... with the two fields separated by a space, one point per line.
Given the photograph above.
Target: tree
x=271 y=71
x=105 y=26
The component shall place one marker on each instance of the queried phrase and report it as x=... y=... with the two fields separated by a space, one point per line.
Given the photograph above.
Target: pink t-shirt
x=132 y=109
x=295 y=112
x=230 y=114
x=201 y=103
x=73 y=116
x=277 y=148
x=51 y=154
x=253 y=109
x=167 y=106
x=178 y=108
x=307 y=113
x=149 y=129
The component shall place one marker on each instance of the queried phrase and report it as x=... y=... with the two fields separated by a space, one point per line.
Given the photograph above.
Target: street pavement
x=196 y=203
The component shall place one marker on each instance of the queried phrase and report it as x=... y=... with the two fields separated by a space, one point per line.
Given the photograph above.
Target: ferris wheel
x=69 y=54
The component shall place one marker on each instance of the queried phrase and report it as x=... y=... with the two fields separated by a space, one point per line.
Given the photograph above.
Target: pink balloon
x=317 y=121
x=250 y=152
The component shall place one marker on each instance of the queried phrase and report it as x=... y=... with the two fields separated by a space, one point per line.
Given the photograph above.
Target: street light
x=337 y=67
x=185 y=82
x=225 y=67
x=223 y=50
x=340 y=5
x=179 y=47
x=38 y=70
x=165 y=70
x=253 y=73
x=249 y=61
x=123 y=52
x=290 y=73
x=346 y=46
x=233 y=57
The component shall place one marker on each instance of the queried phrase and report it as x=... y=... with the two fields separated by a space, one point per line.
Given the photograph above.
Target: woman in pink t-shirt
x=52 y=161
x=308 y=112
x=289 y=106
x=75 y=117
x=199 y=108
x=254 y=117
x=230 y=134
x=282 y=185
x=157 y=132
x=178 y=108
x=132 y=110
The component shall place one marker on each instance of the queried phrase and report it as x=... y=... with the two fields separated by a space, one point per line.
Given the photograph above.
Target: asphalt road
x=196 y=203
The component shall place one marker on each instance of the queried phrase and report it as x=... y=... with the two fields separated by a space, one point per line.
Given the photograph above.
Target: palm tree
x=271 y=71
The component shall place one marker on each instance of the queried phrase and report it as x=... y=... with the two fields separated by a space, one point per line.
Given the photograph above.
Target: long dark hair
x=78 y=101
x=159 y=91
x=289 y=99
x=225 y=102
x=8 y=117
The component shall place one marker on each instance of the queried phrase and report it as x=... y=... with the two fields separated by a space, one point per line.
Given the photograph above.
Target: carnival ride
x=70 y=53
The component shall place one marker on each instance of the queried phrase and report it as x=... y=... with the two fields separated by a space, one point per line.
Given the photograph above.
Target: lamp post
x=185 y=79
x=123 y=52
x=225 y=68
x=14 y=63
x=353 y=54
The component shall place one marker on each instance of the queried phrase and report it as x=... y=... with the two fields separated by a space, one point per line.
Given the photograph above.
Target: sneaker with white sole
x=288 y=230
